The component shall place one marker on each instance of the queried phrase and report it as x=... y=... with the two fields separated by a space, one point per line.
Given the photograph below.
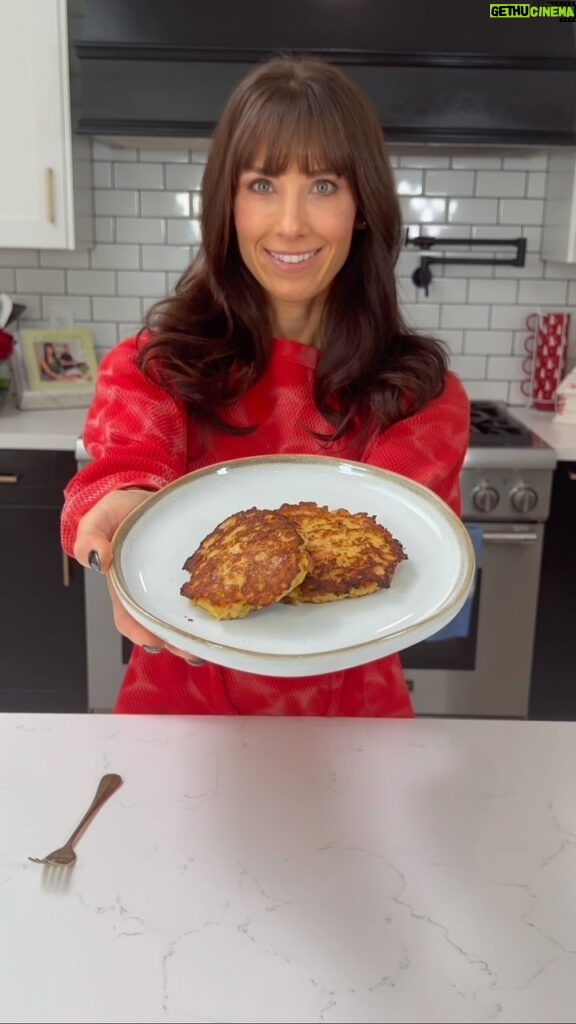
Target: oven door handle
x=508 y=537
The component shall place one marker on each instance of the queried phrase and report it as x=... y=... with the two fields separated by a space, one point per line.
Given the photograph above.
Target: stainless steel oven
x=506 y=484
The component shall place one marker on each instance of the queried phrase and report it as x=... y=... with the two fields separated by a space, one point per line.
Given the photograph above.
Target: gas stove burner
x=492 y=426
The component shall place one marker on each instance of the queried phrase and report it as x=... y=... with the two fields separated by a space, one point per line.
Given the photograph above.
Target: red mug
x=545 y=363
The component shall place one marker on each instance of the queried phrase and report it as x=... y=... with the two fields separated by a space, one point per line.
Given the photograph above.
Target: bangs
x=293 y=128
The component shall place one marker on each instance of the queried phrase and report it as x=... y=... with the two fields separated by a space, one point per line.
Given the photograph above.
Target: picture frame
x=55 y=368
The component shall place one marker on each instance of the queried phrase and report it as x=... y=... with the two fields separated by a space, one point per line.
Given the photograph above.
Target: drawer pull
x=9 y=478
x=49 y=194
x=65 y=570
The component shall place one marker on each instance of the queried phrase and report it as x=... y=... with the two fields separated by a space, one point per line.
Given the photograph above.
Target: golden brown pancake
x=351 y=554
x=251 y=560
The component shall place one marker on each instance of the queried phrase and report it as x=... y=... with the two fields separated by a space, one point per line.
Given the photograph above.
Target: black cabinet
x=553 y=693
x=42 y=626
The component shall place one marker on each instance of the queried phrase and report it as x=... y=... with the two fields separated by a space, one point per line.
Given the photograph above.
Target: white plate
x=427 y=591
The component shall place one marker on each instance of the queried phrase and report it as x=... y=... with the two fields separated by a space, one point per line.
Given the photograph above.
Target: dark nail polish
x=151 y=650
x=195 y=662
x=94 y=561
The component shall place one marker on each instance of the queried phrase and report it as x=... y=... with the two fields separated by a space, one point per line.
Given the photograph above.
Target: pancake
x=351 y=554
x=251 y=560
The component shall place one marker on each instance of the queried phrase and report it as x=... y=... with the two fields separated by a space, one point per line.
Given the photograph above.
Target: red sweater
x=139 y=436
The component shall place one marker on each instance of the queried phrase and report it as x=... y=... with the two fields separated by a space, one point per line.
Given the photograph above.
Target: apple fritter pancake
x=251 y=560
x=351 y=554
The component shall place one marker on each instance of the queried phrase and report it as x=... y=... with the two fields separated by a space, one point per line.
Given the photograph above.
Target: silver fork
x=65 y=855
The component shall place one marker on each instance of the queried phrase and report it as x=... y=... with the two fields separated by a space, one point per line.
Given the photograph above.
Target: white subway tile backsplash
x=14 y=258
x=80 y=306
x=501 y=183
x=117 y=309
x=47 y=282
x=165 y=204
x=511 y=318
x=62 y=258
x=476 y=160
x=504 y=368
x=142 y=282
x=165 y=257
x=184 y=176
x=104 y=229
x=469 y=367
x=421 y=158
x=141 y=229
x=521 y=211
x=117 y=203
x=449 y=183
x=552 y=293
x=472 y=211
x=142 y=176
x=184 y=232
x=7 y=281
x=464 y=316
x=445 y=289
x=116 y=257
x=408 y=183
x=492 y=292
x=529 y=160
x=423 y=210
x=102 y=174
x=147 y=208
x=91 y=282
x=488 y=342
x=536 y=185
x=106 y=151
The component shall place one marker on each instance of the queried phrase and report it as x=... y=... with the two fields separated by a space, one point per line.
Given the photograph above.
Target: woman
x=285 y=336
x=49 y=364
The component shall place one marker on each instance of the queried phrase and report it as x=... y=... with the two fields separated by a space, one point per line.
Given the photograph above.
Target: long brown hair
x=211 y=341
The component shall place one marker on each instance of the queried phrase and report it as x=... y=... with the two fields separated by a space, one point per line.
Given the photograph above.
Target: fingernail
x=195 y=662
x=94 y=561
x=151 y=650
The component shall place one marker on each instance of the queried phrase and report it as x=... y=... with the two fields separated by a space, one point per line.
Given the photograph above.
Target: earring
x=361 y=224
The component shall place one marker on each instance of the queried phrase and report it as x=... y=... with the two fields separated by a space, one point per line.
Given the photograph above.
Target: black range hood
x=445 y=72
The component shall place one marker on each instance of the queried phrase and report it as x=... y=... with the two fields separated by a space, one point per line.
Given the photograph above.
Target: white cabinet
x=37 y=187
x=559 y=228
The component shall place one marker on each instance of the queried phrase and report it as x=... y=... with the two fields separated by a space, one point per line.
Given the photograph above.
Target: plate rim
x=457 y=599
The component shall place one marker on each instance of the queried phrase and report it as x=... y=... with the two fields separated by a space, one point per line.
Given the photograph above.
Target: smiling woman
x=284 y=337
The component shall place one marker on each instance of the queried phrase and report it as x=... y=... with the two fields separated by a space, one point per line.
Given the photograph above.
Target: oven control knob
x=485 y=498
x=524 y=499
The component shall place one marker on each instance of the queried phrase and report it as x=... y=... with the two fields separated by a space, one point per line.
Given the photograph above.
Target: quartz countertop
x=40 y=429
x=560 y=436
x=281 y=869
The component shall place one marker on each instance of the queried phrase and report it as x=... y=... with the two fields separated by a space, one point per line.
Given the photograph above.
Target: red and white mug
x=545 y=363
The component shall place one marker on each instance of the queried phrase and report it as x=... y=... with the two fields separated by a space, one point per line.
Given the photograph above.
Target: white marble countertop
x=40 y=429
x=307 y=870
x=560 y=436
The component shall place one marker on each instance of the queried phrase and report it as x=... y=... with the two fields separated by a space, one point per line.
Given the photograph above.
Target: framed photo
x=58 y=368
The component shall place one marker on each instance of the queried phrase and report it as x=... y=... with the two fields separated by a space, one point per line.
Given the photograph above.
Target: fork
x=65 y=855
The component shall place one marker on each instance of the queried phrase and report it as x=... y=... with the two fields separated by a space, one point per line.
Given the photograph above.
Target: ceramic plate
x=427 y=591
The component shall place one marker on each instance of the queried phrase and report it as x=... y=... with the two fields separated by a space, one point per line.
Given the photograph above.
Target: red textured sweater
x=139 y=436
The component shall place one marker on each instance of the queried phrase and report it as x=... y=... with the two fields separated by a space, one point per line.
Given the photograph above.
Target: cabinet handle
x=65 y=570
x=49 y=194
x=9 y=478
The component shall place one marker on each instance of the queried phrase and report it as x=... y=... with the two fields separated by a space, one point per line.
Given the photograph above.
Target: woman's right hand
x=93 y=548
x=94 y=537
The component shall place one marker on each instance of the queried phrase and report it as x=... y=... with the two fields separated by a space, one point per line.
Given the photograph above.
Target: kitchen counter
x=40 y=429
x=303 y=870
x=560 y=436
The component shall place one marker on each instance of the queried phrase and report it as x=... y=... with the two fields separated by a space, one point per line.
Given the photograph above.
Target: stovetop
x=492 y=426
x=500 y=442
